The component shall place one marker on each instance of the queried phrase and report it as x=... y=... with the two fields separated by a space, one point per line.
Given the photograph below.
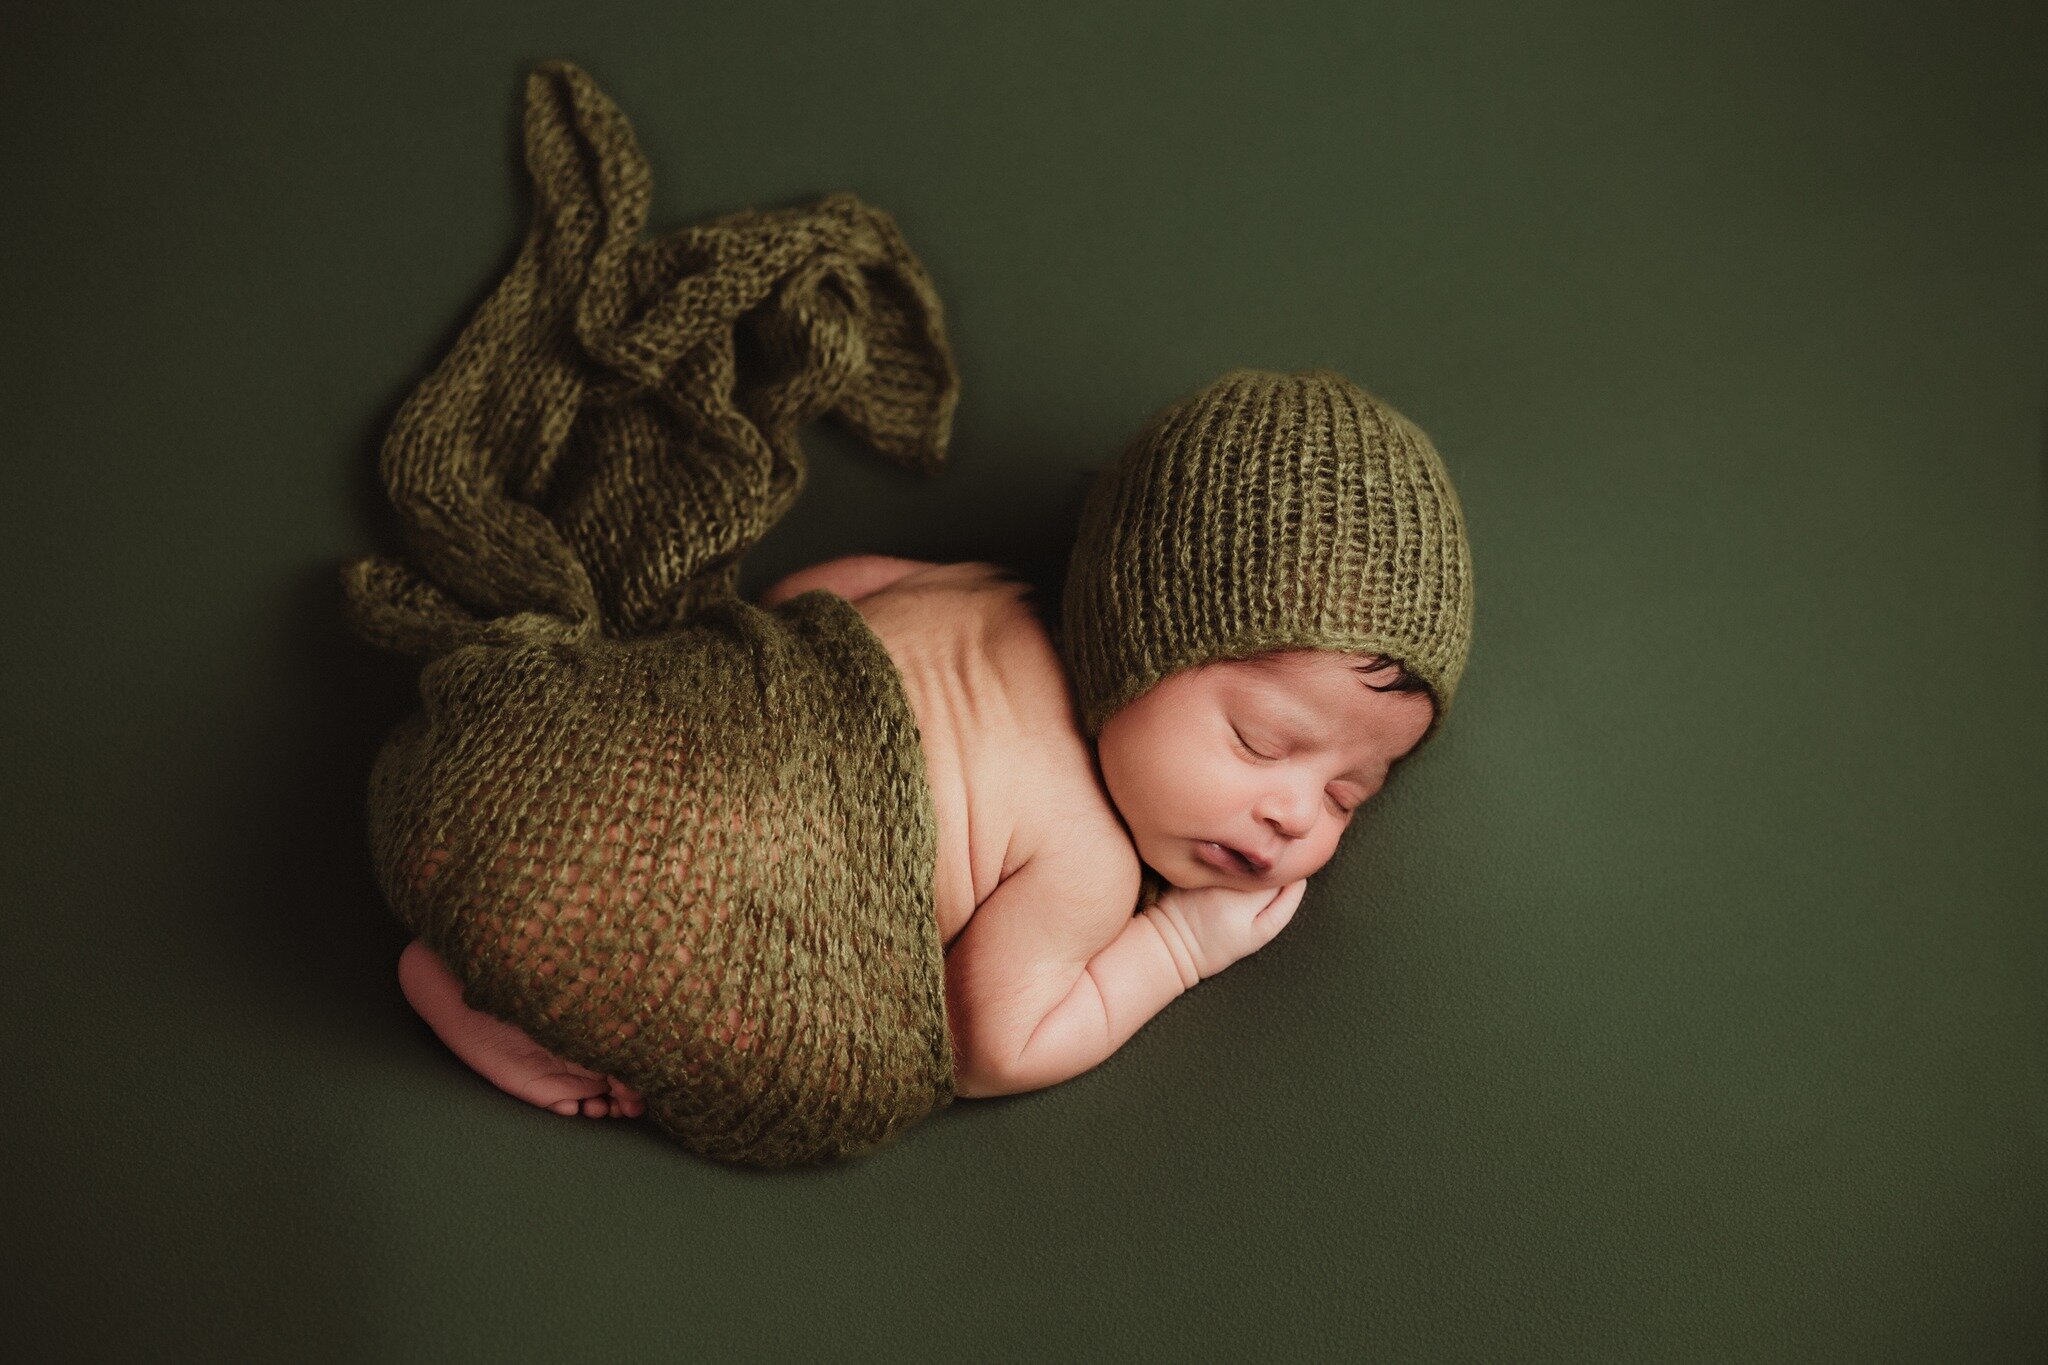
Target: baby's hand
x=1221 y=924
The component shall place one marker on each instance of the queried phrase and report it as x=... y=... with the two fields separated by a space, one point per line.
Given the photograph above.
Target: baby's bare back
x=1012 y=777
x=1048 y=968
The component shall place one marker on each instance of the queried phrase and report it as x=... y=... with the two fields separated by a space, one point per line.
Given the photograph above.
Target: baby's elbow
x=988 y=1086
x=969 y=1086
x=974 y=1079
x=988 y=1071
x=976 y=1076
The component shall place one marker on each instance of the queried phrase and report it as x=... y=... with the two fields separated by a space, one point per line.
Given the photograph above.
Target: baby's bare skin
x=501 y=1053
x=1010 y=771
x=1234 y=781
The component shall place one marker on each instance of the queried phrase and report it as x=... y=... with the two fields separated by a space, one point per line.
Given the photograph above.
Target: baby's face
x=1268 y=759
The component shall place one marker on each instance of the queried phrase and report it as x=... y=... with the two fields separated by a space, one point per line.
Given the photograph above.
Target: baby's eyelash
x=1342 y=809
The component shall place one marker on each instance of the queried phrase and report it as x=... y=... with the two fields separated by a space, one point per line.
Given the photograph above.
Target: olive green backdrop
x=1685 y=1003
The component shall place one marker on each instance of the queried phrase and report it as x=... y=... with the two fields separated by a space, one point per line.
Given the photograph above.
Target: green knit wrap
x=674 y=837
x=1267 y=511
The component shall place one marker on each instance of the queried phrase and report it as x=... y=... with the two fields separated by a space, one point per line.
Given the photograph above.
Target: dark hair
x=1404 y=681
x=1365 y=666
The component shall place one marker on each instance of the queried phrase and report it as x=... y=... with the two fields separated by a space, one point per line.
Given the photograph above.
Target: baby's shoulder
x=1068 y=817
x=1014 y=779
x=1031 y=719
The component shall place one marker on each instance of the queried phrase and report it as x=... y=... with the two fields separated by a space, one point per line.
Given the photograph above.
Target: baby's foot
x=517 y=1065
x=504 y=1055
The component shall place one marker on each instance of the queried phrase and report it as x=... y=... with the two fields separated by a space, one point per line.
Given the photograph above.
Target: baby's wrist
x=1178 y=947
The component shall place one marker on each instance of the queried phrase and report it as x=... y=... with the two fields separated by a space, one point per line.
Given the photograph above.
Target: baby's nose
x=1290 y=814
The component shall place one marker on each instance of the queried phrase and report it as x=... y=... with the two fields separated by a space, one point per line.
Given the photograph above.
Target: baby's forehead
x=1324 y=683
x=1305 y=672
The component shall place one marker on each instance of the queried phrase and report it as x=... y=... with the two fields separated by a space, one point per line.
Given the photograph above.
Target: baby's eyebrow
x=1303 y=721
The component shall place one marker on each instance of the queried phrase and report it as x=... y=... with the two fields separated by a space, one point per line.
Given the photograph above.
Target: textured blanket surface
x=675 y=837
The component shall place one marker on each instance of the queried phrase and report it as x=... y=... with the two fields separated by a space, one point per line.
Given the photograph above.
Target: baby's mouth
x=1238 y=862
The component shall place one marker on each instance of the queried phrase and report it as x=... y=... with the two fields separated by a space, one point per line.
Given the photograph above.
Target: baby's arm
x=1054 y=973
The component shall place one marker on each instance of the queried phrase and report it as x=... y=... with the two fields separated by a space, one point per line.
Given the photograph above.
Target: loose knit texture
x=674 y=837
x=1267 y=511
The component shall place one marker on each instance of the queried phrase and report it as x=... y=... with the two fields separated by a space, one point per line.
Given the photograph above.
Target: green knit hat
x=1267 y=511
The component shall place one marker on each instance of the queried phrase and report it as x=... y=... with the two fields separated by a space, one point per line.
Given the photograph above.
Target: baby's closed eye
x=1344 y=799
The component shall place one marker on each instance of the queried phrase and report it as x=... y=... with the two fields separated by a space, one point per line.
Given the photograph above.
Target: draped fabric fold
x=617 y=424
x=674 y=837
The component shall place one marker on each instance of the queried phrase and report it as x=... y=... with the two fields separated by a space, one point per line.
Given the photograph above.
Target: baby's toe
x=562 y=1092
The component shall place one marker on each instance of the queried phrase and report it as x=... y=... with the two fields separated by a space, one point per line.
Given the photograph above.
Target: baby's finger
x=1282 y=897
x=1281 y=908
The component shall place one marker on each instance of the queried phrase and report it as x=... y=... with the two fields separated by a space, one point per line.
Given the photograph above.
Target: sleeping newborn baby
x=1267 y=609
